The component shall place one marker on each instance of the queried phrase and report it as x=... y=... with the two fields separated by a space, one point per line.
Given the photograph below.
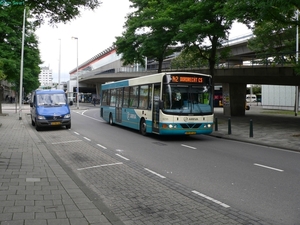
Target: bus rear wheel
x=143 y=127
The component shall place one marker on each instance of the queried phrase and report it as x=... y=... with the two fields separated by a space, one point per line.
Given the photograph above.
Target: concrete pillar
x=234 y=99
x=98 y=89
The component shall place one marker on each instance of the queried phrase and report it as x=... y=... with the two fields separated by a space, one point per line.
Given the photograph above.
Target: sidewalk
x=270 y=128
x=34 y=188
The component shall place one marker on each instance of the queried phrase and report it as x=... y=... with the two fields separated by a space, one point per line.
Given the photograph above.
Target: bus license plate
x=190 y=132
x=55 y=123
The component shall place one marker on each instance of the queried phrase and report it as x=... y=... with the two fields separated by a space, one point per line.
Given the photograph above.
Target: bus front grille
x=190 y=125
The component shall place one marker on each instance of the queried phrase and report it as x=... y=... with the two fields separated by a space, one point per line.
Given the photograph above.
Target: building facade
x=278 y=97
x=45 y=77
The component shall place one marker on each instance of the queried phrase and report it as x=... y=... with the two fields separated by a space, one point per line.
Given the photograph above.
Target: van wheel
x=111 y=122
x=32 y=122
x=38 y=128
x=68 y=126
x=143 y=127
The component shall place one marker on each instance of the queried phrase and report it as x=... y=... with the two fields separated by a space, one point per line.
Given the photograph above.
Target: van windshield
x=51 y=99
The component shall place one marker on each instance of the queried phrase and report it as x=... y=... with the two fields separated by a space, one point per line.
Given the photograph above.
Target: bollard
x=251 y=128
x=229 y=126
x=216 y=124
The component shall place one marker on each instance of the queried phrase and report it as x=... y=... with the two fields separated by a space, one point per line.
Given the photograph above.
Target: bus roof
x=147 y=79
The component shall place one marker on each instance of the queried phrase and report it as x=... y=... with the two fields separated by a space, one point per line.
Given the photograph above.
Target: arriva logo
x=131 y=116
x=187 y=119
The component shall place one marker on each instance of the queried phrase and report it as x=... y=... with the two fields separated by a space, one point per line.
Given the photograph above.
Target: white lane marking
x=211 y=199
x=89 y=116
x=62 y=142
x=87 y=138
x=187 y=146
x=83 y=112
x=92 y=167
x=101 y=146
x=122 y=157
x=268 y=167
x=157 y=174
x=76 y=133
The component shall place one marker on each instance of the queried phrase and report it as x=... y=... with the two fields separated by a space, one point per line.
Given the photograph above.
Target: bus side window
x=113 y=97
x=134 y=91
x=104 y=97
x=143 y=97
x=126 y=97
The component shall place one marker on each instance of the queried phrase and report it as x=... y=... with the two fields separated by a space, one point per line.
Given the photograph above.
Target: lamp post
x=297 y=55
x=59 y=61
x=77 y=88
x=21 y=69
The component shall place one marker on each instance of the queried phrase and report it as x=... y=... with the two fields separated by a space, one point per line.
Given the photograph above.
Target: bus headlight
x=170 y=126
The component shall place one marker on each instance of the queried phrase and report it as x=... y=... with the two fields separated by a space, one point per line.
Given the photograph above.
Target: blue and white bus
x=171 y=103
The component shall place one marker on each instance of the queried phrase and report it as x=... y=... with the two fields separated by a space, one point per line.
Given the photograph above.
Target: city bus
x=170 y=103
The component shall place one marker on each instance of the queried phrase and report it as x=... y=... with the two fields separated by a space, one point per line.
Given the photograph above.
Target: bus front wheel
x=111 y=122
x=143 y=127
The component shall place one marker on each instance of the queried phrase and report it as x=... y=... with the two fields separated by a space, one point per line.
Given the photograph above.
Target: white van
x=251 y=98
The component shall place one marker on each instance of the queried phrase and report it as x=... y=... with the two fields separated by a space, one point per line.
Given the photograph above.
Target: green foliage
x=149 y=33
x=204 y=26
x=155 y=26
x=189 y=58
x=274 y=43
x=59 y=10
x=11 y=22
x=255 y=12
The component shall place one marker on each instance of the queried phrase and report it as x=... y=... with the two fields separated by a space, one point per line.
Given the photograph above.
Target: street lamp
x=77 y=89
x=59 y=62
x=21 y=69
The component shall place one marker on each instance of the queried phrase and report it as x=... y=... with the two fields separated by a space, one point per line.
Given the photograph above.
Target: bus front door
x=119 y=106
x=155 y=111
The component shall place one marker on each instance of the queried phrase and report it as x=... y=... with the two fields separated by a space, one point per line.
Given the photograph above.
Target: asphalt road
x=259 y=180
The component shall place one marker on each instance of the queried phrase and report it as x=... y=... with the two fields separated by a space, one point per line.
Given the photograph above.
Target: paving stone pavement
x=46 y=181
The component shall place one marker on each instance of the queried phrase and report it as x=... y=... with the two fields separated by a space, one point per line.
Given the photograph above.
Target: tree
x=273 y=43
x=149 y=33
x=56 y=11
x=274 y=21
x=11 y=21
x=200 y=26
x=203 y=27
x=11 y=17
x=255 y=12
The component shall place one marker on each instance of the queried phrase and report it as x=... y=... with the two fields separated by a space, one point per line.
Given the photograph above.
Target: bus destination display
x=186 y=79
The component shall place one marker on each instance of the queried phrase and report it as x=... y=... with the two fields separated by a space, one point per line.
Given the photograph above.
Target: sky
x=96 y=31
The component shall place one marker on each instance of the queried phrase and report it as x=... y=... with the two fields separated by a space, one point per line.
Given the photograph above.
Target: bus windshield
x=187 y=99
